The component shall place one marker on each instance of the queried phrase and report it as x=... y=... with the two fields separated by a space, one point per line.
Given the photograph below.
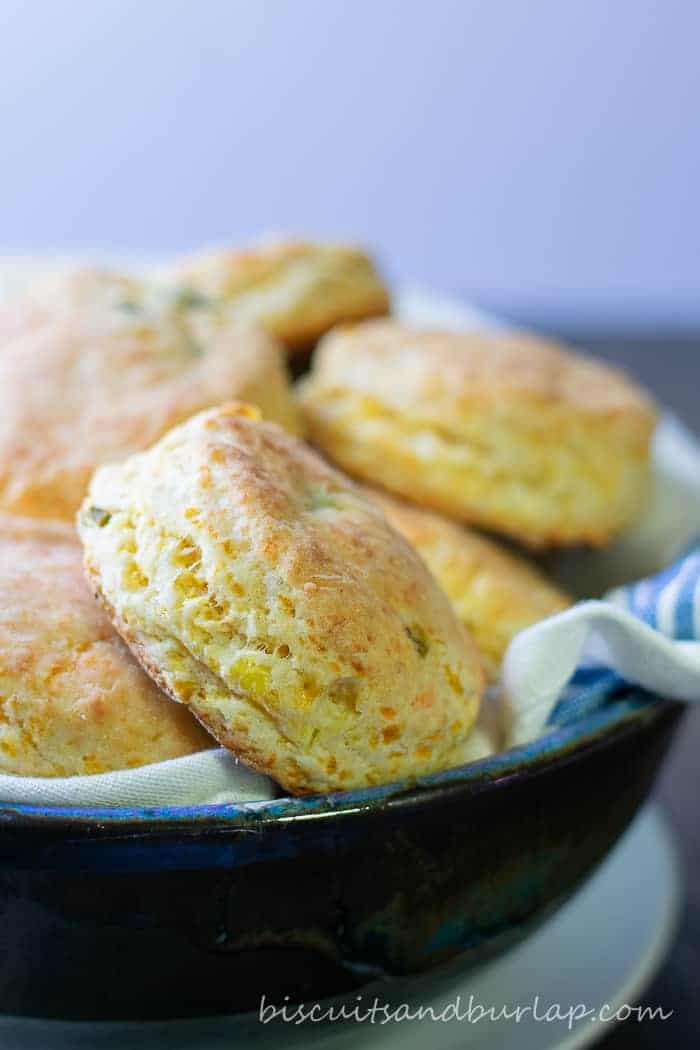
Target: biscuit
x=17 y=527
x=494 y=592
x=506 y=431
x=72 y=698
x=106 y=364
x=297 y=290
x=259 y=587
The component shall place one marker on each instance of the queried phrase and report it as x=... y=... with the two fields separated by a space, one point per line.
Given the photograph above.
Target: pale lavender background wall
x=543 y=153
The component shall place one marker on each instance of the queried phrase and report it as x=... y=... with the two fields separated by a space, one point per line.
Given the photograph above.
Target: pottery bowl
x=115 y=913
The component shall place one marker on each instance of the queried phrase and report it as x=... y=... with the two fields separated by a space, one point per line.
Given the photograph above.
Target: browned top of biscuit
x=443 y=374
x=295 y=289
x=102 y=366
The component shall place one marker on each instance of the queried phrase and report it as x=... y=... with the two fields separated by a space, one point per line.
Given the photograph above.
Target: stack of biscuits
x=196 y=552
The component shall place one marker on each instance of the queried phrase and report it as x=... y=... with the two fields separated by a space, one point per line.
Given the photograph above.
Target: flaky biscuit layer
x=72 y=698
x=508 y=432
x=259 y=587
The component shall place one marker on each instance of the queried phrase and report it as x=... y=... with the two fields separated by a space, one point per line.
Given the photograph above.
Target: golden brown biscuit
x=494 y=592
x=297 y=290
x=105 y=365
x=259 y=587
x=507 y=431
x=72 y=698
x=17 y=527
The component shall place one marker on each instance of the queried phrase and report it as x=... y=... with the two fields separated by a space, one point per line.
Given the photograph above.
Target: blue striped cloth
x=670 y=603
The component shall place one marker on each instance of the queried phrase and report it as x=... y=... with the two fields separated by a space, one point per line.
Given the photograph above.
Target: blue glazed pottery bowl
x=115 y=913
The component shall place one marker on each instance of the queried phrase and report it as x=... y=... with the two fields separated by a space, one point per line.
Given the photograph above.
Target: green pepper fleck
x=419 y=639
x=99 y=515
x=190 y=299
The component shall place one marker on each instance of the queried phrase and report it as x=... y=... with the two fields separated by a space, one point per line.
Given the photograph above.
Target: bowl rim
x=560 y=746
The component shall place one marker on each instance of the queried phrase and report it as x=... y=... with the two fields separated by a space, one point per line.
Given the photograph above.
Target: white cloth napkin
x=541 y=660
x=207 y=777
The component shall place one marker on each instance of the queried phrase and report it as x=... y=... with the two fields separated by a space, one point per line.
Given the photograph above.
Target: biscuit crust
x=72 y=698
x=101 y=367
x=297 y=290
x=506 y=431
x=494 y=592
x=259 y=587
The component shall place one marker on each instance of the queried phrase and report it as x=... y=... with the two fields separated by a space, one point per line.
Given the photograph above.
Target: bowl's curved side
x=306 y=907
